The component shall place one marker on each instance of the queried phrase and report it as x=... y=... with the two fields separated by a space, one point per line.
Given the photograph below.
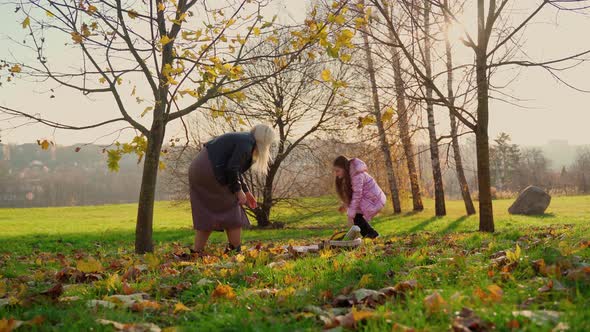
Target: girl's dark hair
x=343 y=185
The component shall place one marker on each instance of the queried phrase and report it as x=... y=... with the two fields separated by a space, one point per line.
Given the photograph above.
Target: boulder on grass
x=531 y=201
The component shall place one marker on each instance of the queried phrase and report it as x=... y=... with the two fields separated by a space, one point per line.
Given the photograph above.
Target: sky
x=546 y=109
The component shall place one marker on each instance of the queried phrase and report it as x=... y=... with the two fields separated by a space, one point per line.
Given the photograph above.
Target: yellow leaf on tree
x=102 y=80
x=367 y=120
x=256 y=31
x=49 y=14
x=76 y=37
x=44 y=144
x=345 y=57
x=161 y=7
x=26 y=23
x=89 y=265
x=132 y=14
x=162 y=166
x=326 y=74
x=339 y=19
x=230 y=22
x=91 y=10
x=15 y=69
x=165 y=40
x=387 y=115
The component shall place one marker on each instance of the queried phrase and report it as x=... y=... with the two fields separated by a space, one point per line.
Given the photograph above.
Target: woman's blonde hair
x=264 y=136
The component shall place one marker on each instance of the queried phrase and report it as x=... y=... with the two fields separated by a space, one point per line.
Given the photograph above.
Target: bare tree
x=439 y=193
x=404 y=131
x=464 y=187
x=385 y=148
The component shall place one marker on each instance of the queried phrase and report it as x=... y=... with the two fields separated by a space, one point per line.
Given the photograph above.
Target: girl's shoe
x=373 y=234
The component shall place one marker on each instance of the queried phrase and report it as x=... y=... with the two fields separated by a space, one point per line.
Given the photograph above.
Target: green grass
x=445 y=255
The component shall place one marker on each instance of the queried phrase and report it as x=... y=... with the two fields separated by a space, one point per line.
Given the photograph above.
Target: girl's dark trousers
x=366 y=229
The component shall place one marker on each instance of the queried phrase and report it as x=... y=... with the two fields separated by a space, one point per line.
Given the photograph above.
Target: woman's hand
x=251 y=200
x=241 y=196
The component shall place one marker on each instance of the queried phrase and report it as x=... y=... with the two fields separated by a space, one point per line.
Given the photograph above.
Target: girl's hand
x=251 y=200
x=342 y=209
x=350 y=222
x=241 y=196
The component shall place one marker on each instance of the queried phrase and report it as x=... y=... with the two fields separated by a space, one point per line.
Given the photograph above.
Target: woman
x=217 y=188
x=359 y=192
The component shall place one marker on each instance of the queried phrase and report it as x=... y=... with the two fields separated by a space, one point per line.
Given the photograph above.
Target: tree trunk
x=382 y=134
x=469 y=207
x=145 y=208
x=439 y=193
x=405 y=132
x=486 y=216
x=263 y=211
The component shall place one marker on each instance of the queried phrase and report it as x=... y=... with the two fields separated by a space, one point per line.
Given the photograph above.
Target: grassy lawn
x=437 y=266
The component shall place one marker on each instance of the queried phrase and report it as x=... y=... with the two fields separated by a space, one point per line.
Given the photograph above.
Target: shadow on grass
x=452 y=226
x=423 y=224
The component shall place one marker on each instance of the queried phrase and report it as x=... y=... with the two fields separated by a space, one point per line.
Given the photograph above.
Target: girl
x=359 y=193
x=217 y=189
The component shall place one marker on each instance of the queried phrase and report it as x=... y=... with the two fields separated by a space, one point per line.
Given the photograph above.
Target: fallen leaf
x=100 y=303
x=89 y=265
x=552 y=285
x=224 y=291
x=145 y=305
x=539 y=317
x=179 y=307
x=468 y=321
x=131 y=327
x=561 y=327
x=435 y=303
x=55 y=291
x=513 y=324
x=402 y=328
x=496 y=292
x=365 y=280
x=127 y=300
x=204 y=282
x=8 y=325
x=578 y=274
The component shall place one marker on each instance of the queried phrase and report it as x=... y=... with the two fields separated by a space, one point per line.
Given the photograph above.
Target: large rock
x=531 y=201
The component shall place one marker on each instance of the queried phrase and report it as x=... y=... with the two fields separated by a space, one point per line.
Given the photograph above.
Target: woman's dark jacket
x=231 y=156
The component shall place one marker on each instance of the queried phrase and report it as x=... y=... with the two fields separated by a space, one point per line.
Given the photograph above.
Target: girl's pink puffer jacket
x=367 y=197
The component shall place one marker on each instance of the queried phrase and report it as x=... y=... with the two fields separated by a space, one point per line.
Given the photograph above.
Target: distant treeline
x=60 y=176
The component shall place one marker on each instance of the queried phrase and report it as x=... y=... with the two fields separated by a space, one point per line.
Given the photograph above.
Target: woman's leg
x=366 y=229
x=234 y=237
x=201 y=238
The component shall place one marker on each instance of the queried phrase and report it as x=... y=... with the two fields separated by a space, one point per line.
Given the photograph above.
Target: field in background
x=265 y=290
x=113 y=225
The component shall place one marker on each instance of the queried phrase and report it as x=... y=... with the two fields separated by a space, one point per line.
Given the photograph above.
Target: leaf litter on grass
x=273 y=280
